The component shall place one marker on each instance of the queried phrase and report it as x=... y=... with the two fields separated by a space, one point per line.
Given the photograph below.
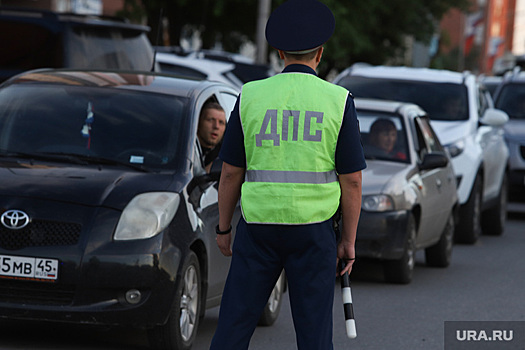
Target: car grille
x=36 y=293
x=40 y=233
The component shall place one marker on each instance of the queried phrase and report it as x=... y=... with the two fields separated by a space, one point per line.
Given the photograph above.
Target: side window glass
x=428 y=135
x=483 y=104
x=227 y=101
x=421 y=143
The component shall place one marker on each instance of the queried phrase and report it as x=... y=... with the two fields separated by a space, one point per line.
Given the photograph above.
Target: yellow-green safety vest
x=291 y=123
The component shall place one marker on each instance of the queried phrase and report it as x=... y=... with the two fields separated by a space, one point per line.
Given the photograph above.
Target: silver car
x=409 y=189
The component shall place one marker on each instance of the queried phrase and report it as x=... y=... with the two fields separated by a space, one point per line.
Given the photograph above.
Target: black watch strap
x=219 y=232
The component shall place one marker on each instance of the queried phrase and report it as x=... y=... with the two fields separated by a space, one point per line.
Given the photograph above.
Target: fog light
x=133 y=296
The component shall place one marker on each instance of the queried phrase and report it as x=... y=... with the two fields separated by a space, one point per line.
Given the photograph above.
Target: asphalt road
x=485 y=282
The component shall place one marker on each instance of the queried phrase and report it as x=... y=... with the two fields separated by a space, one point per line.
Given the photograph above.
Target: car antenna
x=159 y=28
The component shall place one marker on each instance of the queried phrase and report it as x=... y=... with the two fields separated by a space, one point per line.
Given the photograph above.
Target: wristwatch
x=219 y=232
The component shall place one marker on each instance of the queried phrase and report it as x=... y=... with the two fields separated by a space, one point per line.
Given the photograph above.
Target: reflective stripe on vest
x=302 y=177
x=291 y=123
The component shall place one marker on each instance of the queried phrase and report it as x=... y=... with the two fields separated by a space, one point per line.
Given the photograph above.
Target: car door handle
x=438 y=183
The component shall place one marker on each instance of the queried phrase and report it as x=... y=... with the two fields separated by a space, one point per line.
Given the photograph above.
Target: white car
x=197 y=68
x=461 y=114
x=229 y=68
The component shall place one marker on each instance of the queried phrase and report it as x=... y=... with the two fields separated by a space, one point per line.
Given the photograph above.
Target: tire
x=273 y=307
x=439 y=255
x=402 y=270
x=493 y=221
x=468 y=229
x=180 y=330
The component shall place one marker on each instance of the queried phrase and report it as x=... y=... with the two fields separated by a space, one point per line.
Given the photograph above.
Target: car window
x=442 y=101
x=107 y=48
x=428 y=142
x=511 y=99
x=491 y=88
x=227 y=101
x=483 y=100
x=33 y=46
x=35 y=41
x=125 y=126
x=182 y=71
x=383 y=136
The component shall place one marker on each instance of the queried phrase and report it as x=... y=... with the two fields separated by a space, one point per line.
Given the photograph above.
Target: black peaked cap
x=299 y=25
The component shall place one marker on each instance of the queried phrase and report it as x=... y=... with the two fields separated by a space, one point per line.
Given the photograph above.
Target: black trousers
x=308 y=254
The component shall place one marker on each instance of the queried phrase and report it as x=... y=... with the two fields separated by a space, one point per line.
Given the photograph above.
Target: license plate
x=28 y=268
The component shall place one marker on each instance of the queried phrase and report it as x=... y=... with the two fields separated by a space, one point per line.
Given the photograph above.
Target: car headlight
x=379 y=202
x=146 y=215
x=456 y=148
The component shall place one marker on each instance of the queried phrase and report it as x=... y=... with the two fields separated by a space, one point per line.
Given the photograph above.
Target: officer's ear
x=281 y=54
x=319 y=54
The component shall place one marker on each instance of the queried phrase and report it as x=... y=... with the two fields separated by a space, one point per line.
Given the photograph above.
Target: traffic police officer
x=292 y=153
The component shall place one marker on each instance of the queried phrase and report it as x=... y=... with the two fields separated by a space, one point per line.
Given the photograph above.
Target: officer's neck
x=313 y=63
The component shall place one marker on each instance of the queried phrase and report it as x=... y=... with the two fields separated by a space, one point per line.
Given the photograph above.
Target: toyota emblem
x=14 y=219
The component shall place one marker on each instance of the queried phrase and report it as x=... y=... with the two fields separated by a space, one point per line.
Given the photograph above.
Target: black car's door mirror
x=433 y=161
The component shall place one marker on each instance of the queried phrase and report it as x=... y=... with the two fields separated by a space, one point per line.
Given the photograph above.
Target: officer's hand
x=346 y=251
x=224 y=244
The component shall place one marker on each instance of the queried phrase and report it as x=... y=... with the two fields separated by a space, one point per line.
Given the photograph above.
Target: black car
x=106 y=215
x=34 y=38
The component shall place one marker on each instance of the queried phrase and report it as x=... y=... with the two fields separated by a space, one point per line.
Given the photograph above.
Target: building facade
x=487 y=39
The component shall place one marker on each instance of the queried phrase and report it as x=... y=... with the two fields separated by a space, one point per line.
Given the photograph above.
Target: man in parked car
x=212 y=123
x=293 y=149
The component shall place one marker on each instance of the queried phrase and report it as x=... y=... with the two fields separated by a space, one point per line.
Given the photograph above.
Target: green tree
x=374 y=31
x=371 y=31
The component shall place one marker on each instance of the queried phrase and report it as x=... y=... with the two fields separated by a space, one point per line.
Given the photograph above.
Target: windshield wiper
x=97 y=160
x=71 y=157
x=38 y=156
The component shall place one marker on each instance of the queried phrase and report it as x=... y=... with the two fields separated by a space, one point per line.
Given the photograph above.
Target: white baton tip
x=350 y=329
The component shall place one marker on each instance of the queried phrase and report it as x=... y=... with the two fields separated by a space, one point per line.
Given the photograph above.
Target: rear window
x=28 y=46
x=108 y=48
x=442 y=101
x=38 y=43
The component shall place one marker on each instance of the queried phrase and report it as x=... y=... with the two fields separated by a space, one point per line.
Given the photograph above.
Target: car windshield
x=442 y=101
x=101 y=125
x=511 y=99
x=383 y=136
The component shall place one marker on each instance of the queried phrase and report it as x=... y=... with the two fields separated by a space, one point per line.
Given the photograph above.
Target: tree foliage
x=371 y=31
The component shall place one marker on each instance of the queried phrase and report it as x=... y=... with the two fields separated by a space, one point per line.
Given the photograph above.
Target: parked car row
x=416 y=201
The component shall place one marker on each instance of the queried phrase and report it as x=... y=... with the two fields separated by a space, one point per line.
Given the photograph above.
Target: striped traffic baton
x=347 y=303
